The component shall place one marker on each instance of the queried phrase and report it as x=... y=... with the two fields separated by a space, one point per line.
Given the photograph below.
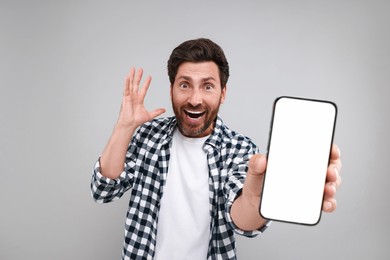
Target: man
x=194 y=182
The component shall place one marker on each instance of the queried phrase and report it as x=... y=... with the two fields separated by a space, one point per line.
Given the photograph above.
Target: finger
x=131 y=79
x=335 y=156
x=145 y=87
x=330 y=190
x=257 y=164
x=329 y=205
x=337 y=177
x=255 y=175
x=333 y=175
x=157 y=112
x=126 y=86
x=137 y=80
x=335 y=152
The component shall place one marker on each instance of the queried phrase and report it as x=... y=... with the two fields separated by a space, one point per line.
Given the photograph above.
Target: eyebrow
x=203 y=79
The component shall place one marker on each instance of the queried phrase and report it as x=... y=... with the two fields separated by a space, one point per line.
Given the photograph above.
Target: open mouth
x=194 y=114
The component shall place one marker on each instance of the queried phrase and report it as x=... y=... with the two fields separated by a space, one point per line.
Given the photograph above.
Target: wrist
x=125 y=126
x=123 y=133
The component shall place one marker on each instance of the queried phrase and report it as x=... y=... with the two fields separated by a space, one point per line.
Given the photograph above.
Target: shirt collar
x=214 y=140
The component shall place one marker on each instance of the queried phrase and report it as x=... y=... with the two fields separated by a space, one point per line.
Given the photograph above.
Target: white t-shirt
x=183 y=229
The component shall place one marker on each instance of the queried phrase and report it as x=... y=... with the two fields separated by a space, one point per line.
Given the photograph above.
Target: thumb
x=155 y=113
x=257 y=165
x=255 y=175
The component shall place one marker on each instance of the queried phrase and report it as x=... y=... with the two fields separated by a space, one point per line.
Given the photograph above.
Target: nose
x=195 y=97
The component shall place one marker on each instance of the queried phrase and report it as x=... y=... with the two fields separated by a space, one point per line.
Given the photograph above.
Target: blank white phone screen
x=298 y=155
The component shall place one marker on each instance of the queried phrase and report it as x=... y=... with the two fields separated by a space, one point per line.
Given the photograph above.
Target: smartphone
x=299 y=147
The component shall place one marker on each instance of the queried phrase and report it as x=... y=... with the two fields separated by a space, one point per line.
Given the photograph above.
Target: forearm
x=114 y=154
x=245 y=209
x=245 y=212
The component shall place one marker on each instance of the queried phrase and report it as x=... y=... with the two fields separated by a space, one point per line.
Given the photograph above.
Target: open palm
x=133 y=112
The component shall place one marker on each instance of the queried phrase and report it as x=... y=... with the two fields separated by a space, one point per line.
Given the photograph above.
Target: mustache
x=196 y=108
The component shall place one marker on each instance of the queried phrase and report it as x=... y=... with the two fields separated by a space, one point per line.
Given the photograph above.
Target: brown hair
x=198 y=50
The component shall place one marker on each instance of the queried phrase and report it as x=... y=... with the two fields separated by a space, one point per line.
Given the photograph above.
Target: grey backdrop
x=62 y=66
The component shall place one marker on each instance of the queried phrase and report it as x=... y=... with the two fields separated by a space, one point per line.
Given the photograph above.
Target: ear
x=223 y=94
x=170 y=91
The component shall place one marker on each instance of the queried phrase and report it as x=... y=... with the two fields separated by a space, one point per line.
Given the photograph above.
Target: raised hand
x=133 y=112
x=132 y=115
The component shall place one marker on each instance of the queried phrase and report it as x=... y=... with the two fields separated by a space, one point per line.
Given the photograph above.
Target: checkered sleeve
x=244 y=150
x=104 y=189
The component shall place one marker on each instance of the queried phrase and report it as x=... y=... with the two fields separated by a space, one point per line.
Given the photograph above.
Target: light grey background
x=62 y=66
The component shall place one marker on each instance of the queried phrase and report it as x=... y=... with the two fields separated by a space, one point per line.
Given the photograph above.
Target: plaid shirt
x=145 y=172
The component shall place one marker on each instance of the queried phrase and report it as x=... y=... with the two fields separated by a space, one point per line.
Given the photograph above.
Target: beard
x=202 y=128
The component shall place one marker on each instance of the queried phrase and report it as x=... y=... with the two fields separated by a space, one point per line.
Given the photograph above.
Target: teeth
x=194 y=112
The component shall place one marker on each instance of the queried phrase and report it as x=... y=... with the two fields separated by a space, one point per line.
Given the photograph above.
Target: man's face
x=196 y=96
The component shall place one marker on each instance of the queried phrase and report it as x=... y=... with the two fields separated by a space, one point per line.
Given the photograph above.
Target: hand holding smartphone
x=299 y=149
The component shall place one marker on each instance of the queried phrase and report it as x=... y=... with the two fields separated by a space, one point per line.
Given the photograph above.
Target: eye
x=183 y=85
x=208 y=87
